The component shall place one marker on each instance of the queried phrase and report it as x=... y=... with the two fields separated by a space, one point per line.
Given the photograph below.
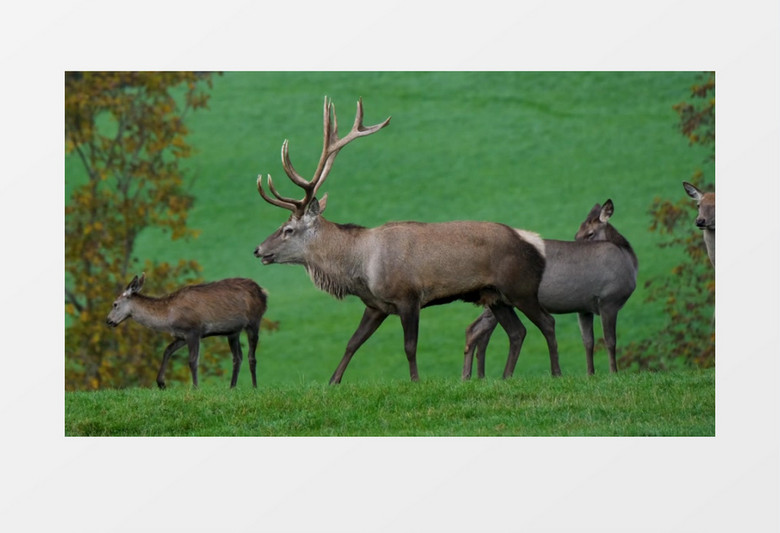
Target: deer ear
x=607 y=211
x=135 y=285
x=594 y=212
x=313 y=209
x=323 y=203
x=131 y=285
x=692 y=191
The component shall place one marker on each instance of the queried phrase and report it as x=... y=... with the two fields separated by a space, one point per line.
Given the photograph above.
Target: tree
x=688 y=293
x=127 y=130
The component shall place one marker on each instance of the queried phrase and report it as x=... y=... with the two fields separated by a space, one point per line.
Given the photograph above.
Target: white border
x=726 y=483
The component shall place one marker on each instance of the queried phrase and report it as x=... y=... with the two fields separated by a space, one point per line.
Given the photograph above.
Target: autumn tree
x=688 y=292
x=127 y=131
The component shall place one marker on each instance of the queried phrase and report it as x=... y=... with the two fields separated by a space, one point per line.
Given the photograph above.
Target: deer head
x=595 y=225
x=288 y=243
x=121 y=308
x=705 y=218
x=705 y=201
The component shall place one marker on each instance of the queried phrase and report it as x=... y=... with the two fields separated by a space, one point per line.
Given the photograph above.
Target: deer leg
x=515 y=331
x=234 y=341
x=546 y=324
x=477 y=338
x=482 y=353
x=586 y=330
x=252 y=333
x=193 y=343
x=169 y=350
x=410 y=322
x=482 y=345
x=372 y=319
x=609 y=326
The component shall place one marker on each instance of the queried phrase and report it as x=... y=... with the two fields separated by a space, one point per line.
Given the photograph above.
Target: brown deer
x=705 y=219
x=400 y=267
x=593 y=275
x=221 y=308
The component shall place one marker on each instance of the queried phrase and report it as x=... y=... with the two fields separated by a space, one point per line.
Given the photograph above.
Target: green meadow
x=532 y=150
x=631 y=404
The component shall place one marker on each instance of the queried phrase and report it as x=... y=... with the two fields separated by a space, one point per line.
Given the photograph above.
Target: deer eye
x=287 y=231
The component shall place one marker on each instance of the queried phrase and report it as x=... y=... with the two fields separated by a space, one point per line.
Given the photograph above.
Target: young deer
x=222 y=308
x=705 y=219
x=400 y=267
x=594 y=274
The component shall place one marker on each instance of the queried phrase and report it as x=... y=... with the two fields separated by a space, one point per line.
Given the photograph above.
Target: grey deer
x=220 y=308
x=400 y=267
x=593 y=275
x=705 y=218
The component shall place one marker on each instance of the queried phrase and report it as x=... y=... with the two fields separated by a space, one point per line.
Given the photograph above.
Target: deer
x=705 y=218
x=593 y=275
x=220 y=308
x=399 y=268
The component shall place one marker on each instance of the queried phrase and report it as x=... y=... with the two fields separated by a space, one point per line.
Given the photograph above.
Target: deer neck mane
x=335 y=260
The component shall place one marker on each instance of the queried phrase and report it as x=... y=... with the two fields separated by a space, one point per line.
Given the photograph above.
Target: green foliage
x=697 y=120
x=652 y=404
x=127 y=130
x=688 y=291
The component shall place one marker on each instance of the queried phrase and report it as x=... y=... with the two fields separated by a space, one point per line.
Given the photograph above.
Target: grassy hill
x=533 y=150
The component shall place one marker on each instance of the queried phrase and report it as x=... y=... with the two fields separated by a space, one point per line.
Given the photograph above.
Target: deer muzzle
x=266 y=258
x=702 y=224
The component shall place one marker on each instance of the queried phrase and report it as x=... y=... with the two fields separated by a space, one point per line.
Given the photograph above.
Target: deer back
x=215 y=308
x=440 y=262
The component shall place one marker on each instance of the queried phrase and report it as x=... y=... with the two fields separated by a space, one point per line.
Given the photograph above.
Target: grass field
x=533 y=150
x=631 y=404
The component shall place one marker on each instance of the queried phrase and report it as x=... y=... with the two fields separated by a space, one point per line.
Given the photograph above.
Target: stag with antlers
x=401 y=267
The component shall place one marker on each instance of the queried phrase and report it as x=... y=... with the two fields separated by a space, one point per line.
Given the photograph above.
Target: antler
x=330 y=148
